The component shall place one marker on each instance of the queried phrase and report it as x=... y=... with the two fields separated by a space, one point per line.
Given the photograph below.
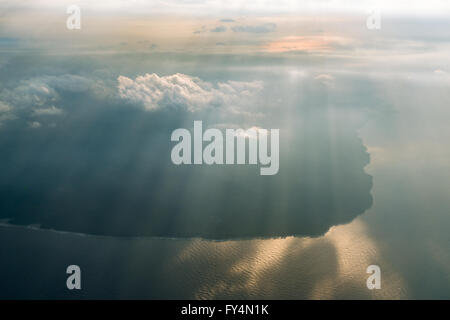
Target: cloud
x=5 y=112
x=226 y=20
x=219 y=29
x=440 y=72
x=51 y=111
x=35 y=125
x=39 y=91
x=238 y=8
x=324 y=76
x=262 y=28
x=307 y=44
x=37 y=96
x=181 y=91
x=29 y=93
x=326 y=79
x=68 y=82
x=4 y=107
x=201 y=30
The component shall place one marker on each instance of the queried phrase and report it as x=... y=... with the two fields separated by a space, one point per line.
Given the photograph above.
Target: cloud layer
x=262 y=28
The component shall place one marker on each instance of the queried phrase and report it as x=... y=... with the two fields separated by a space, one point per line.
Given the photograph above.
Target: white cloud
x=182 y=91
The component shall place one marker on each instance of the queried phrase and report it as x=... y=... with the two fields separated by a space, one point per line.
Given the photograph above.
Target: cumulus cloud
x=28 y=93
x=153 y=92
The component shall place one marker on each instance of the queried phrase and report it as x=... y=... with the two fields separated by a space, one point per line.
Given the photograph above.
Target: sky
x=85 y=123
x=93 y=108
